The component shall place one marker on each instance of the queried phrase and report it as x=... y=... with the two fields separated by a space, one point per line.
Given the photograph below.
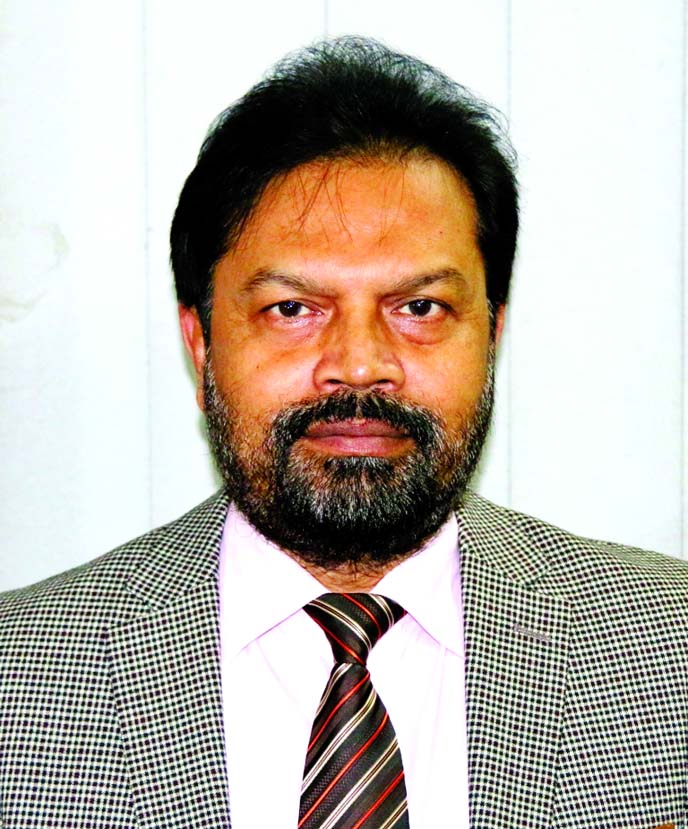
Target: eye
x=289 y=308
x=422 y=308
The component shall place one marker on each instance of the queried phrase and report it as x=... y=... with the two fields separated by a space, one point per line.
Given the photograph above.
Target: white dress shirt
x=276 y=662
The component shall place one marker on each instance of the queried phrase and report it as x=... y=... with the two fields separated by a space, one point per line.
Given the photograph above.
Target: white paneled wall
x=597 y=111
x=103 y=109
x=73 y=333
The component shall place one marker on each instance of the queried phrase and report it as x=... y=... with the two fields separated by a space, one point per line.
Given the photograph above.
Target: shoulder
x=582 y=570
x=100 y=591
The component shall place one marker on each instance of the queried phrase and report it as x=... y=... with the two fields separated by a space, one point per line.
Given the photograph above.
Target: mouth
x=357 y=437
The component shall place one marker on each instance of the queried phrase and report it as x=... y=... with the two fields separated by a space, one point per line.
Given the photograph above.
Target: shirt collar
x=260 y=586
x=427 y=585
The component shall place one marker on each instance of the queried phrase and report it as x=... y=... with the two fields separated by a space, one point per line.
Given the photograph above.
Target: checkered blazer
x=577 y=683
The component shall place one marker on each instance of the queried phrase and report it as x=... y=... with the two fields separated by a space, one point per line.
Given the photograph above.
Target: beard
x=336 y=511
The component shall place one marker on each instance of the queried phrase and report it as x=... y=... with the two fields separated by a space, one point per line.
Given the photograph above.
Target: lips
x=357 y=437
x=355 y=429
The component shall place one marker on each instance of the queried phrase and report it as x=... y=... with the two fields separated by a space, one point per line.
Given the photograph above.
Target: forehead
x=355 y=229
x=371 y=200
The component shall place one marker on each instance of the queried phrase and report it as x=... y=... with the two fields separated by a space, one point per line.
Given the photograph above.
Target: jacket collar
x=493 y=535
x=181 y=555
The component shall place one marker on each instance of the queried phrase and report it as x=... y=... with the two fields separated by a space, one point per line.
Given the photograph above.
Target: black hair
x=345 y=98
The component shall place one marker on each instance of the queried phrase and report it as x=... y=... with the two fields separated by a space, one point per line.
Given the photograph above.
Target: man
x=342 y=254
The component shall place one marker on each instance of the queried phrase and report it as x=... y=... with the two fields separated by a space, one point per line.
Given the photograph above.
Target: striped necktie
x=353 y=778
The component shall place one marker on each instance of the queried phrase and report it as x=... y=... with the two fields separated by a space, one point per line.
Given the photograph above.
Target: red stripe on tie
x=365 y=610
x=380 y=799
x=343 y=771
x=336 y=708
x=339 y=642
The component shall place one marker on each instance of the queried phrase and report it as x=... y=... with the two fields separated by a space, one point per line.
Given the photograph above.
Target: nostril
x=352 y=368
x=351 y=384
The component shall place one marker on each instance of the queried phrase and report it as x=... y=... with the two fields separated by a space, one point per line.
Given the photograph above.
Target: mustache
x=418 y=422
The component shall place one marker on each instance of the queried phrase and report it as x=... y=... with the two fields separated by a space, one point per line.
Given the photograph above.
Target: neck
x=347 y=578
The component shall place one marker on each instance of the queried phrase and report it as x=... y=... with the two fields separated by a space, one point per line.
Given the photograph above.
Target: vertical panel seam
x=145 y=136
x=683 y=310
x=509 y=354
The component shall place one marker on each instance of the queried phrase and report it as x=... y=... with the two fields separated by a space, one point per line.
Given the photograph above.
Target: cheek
x=255 y=394
x=261 y=394
x=450 y=384
x=452 y=373
x=258 y=376
x=454 y=396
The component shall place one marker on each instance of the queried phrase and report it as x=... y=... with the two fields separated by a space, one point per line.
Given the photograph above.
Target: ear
x=192 y=334
x=499 y=324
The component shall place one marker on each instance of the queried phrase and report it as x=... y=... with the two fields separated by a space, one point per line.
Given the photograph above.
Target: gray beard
x=336 y=511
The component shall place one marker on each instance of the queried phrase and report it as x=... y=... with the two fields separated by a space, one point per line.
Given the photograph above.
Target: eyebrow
x=270 y=276
x=450 y=275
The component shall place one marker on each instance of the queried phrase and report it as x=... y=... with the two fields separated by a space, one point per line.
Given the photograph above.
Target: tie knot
x=353 y=622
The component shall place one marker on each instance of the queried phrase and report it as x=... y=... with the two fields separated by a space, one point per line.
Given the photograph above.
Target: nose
x=358 y=352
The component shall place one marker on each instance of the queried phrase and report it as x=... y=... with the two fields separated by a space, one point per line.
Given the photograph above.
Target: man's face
x=349 y=388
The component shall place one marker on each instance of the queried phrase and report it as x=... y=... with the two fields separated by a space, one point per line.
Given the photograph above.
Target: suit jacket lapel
x=166 y=678
x=516 y=661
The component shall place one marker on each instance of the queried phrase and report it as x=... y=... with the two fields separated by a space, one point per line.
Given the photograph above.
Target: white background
x=103 y=107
